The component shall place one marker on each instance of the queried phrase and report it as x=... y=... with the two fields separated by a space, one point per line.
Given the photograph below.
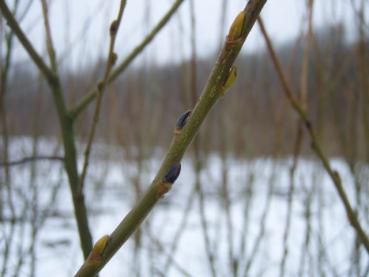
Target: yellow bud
x=236 y=29
x=232 y=76
x=100 y=246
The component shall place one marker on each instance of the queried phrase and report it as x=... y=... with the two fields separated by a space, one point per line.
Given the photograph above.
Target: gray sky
x=80 y=28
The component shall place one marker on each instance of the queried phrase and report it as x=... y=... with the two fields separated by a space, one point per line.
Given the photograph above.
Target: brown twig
x=49 y=39
x=334 y=175
x=299 y=135
x=119 y=69
x=101 y=85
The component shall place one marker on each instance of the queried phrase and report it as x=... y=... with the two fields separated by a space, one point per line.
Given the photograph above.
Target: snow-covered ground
x=258 y=191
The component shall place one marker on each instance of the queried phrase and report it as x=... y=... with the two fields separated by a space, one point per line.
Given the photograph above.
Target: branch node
x=113 y=58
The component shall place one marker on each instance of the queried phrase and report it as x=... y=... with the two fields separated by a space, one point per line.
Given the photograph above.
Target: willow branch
x=12 y=22
x=334 y=175
x=83 y=104
x=66 y=124
x=219 y=77
x=49 y=40
x=112 y=57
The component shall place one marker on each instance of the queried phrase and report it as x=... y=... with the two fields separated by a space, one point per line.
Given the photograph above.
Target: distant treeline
x=141 y=107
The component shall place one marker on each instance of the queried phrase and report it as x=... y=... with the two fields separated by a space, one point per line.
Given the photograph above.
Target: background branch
x=101 y=85
x=119 y=69
x=13 y=24
x=334 y=175
x=66 y=125
x=32 y=159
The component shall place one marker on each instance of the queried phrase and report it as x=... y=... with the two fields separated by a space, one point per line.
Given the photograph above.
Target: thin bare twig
x=85 y=101
x=299 y=135
x=26 y=43
x=5 y=69
x=49 y=39
x=66 y=125
x=32 y=159
x=101 y=85
x=333 y=174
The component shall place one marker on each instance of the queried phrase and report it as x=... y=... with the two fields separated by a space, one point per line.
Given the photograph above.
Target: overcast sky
x=80 y=28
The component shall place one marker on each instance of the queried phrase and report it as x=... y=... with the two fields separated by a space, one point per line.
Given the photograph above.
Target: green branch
x=107 y=246
x=66 y=124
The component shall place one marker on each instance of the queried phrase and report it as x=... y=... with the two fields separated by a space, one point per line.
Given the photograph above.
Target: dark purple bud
x=113 y=27
x=172 y=174
x=182 y=120
x=308 y=124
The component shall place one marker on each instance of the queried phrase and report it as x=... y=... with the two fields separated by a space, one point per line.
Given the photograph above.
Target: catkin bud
x=235 y=31
x=182 y=120
x=113 y=27
x=232 y=76
x=98 y=250
x=172 y=174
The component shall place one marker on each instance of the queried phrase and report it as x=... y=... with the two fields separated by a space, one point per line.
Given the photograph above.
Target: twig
x=334 y=175
x=305 y=247
x=290 y=196
x=203 y=221
x=5 y=69
x=49 y=74
x=178 y=233
x=101 y=85
x=197 y=158
x=32 y=159
x=169 y=255
x=193 y=96
x=248 y=196
x=49 y=40
x=299 y=136
x=227 y=202
x=119 y=69
x=66 y=125
x=107 y=246
x=263 y=221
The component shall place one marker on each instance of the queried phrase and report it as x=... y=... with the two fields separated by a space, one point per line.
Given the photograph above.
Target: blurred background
x=251 y=200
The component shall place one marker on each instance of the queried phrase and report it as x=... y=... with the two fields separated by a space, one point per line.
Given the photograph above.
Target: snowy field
x=245 y=229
